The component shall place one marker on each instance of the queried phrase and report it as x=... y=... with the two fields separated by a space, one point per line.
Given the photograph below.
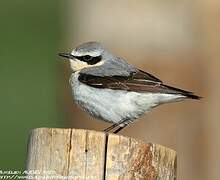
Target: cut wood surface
x=84 y=154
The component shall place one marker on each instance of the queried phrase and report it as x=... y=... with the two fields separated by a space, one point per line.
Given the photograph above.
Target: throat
x=78 y=65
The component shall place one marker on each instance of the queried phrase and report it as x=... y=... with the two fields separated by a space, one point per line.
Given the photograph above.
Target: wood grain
x=84 y=154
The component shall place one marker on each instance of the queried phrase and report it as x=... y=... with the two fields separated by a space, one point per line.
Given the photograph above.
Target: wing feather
x=139 y=81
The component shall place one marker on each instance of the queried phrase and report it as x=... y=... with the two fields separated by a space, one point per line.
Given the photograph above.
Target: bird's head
x=86 y=55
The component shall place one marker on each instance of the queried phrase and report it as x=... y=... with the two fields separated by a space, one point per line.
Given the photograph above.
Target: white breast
x=115 y=105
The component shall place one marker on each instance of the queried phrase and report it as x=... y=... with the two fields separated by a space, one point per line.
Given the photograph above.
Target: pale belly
x=114 y=105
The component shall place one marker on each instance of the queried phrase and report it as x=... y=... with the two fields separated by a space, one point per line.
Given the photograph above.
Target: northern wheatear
x=110 y=89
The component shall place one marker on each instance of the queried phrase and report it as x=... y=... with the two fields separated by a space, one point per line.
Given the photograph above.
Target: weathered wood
x=84 y=154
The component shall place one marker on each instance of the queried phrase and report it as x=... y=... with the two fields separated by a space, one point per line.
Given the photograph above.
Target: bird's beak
x=66 y=55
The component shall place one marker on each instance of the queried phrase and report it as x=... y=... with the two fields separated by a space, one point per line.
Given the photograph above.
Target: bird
x=112 y=90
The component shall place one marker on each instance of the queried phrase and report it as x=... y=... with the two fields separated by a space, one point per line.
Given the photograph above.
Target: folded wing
x=138 y=81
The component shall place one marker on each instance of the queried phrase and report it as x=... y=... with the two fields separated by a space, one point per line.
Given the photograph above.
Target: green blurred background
x=30 y=34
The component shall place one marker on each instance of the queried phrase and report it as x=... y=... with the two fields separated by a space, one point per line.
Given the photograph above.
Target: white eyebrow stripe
x=90 y=53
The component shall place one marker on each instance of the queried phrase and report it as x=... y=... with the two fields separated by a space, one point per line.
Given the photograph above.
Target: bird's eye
x=91 y=60
x=87 y=58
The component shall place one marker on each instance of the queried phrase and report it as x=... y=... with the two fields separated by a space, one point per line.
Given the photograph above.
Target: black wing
x=139 y=81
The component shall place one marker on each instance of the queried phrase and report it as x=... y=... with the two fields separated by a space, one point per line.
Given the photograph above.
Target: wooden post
x=83 y=154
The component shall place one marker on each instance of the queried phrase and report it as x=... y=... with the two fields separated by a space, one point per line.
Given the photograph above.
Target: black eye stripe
x=90 y=59
x=87 y=58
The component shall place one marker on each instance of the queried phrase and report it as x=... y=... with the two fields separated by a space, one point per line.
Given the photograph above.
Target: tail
x=187 y=94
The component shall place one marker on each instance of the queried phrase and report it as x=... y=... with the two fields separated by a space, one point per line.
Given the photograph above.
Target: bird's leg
x=111 y=127
x=114 y=125
x=120 y=128
x=124 y=124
